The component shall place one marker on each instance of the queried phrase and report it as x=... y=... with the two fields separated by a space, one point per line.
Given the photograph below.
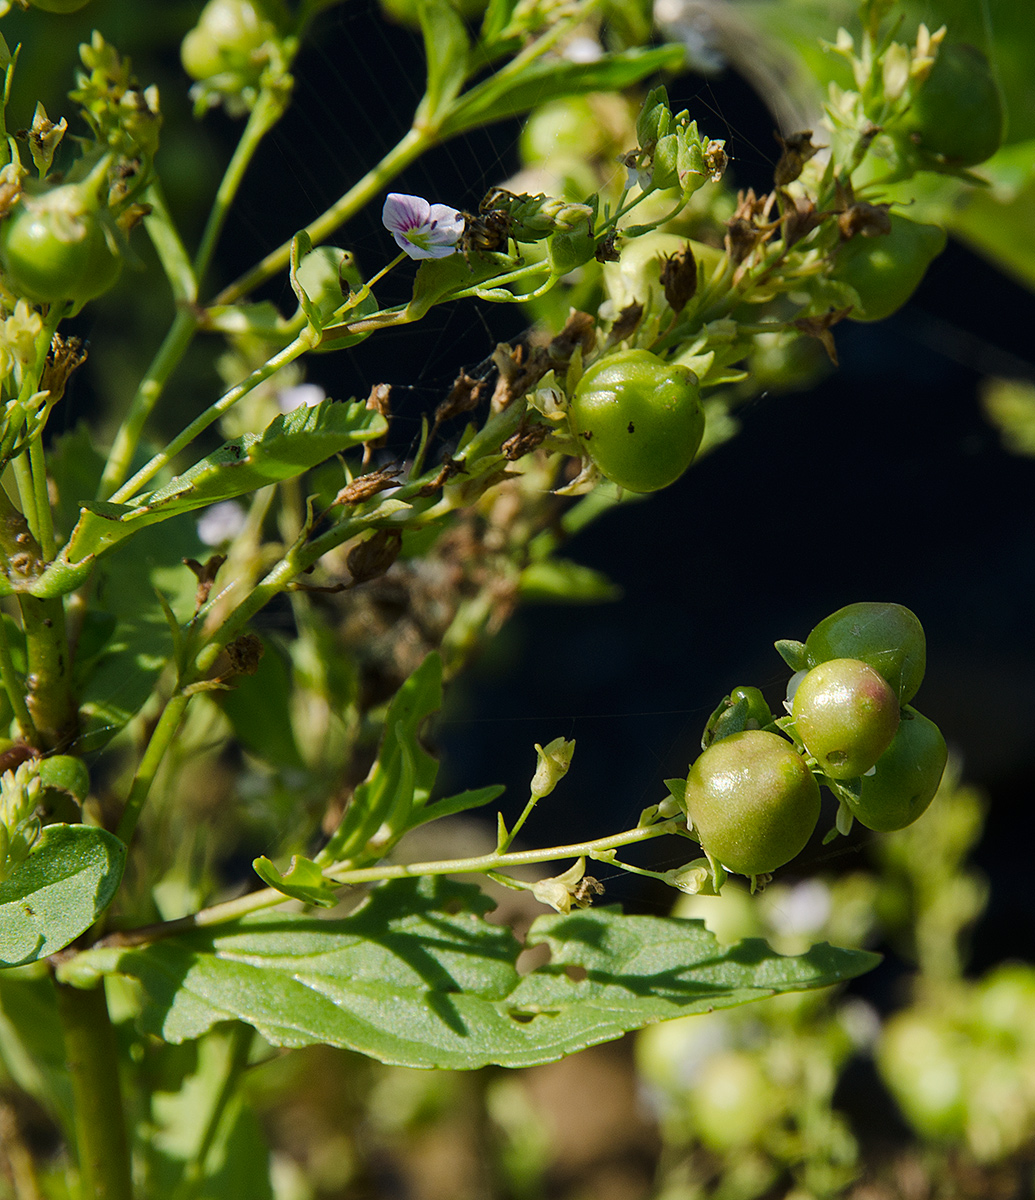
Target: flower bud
x=554 y=761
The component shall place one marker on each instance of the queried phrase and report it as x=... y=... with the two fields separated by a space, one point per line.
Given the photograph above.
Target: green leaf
x=461 y=802
x=417 y=977
x=401 y=779
x=304 y=881
x=446 y=49
x=291 y=444
x=504 y=95
x=32 y=1046
x=64 y=885
x=561 y=581
x=259 y=707
x=792 y=653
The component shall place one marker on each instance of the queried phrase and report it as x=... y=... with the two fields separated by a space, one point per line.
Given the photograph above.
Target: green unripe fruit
x=638 y=418
x=905 y=778
x=958 y=111
x=846 y=715
x=53 y=247
x=732 y=1102
x=885 y=636
x=886 y=270
x=226 y=38
x=924 y=1062
x=752 y=801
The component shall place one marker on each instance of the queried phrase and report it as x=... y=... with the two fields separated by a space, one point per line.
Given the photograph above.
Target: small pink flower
x=423 y=230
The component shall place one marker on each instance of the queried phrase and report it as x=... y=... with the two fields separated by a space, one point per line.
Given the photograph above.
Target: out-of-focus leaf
x=561 y=581
x=446 y=49
x=31 y=1042
x=547 y=78
x=64 y=885
x=417 y=977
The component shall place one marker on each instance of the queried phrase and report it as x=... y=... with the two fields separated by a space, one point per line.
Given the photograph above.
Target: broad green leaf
x=503 y=96
x=291 y=444
x=446 y=49
x=417 y=977
x=303 y=881
x=401 y=779
x=64 y=885
x=561 y=581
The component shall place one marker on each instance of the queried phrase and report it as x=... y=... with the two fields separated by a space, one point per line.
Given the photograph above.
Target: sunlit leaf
x=416 y=976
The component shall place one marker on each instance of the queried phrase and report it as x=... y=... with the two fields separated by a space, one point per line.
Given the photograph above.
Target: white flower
x=221 y=523
x=309 y=394
x=423 y=230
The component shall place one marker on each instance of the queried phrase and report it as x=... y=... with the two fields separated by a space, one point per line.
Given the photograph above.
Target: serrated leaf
x=545 y=79
x=291 y=444
x=303 y=881
x=417 y=977
x=64 y=885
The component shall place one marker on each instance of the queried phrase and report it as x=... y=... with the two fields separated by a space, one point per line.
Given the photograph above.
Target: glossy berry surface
x=846 y=714
x=752 y=801
x=905 y=777
x=885 y=636
x=638 y=418
x=50 y=252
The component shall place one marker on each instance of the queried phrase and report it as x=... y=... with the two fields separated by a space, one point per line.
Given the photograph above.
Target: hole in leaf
x=523 y=1018
x=575 y=973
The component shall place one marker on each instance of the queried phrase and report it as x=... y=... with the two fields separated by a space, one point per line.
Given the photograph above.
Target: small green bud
x=554 y=761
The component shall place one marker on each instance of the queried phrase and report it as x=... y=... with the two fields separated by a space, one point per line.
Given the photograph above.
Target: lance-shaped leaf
x=446 y=48
x=401 y=780
x=503 y=95
x=417 y=977
x=291 y=444
x=64 y=885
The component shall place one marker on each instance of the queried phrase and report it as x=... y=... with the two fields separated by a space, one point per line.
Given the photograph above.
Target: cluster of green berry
x=753 y=796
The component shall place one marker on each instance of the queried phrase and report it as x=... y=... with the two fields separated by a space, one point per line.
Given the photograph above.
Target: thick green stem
x=100 y=1125
x=161 y=739
x=49 y=676
x=412 y=145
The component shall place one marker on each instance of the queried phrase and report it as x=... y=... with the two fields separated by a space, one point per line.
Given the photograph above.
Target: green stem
x=49 y=674
x=127 y=439
x=26 y=492
x=161 y=739
x=44 y=517
x=100 y=1125
x=232 y=910
x=411 y=146
x=269 y=108
x=305 y=341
